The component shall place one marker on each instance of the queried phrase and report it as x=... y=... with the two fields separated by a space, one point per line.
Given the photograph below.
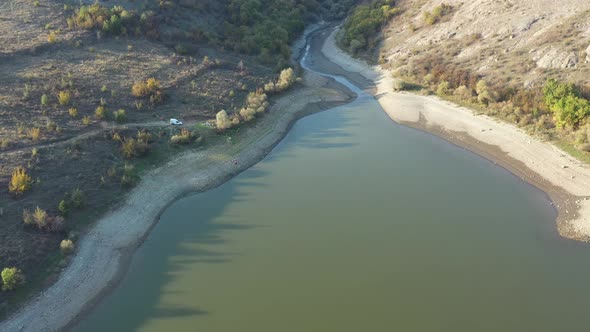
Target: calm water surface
x=354 y=223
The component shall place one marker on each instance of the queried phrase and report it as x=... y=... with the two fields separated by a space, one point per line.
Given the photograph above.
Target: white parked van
x=175 y=122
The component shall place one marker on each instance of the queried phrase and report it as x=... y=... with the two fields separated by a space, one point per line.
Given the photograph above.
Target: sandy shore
x=565 y=179
x=104 y=252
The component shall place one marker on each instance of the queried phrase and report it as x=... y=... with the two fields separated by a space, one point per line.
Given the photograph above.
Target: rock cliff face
x=497 y=38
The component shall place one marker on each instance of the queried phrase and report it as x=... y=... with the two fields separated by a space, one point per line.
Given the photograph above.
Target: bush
x=222 y=120
x=28 y=217
x=52 y=37
x=483 y=93
x=51 y=126
x=569 y=108
x=184 y=137
x=86 y=120
x=132 y=148
x=286 y=79
x=437 y=13
x=100 y=112
x=66 y=247
x=145 y=88
x=12 y=278
x=361 y=27
x=20 y=181
x=63 y=208
x=34 y=133
x=78 y=198
x=120 y=116
x=63 y=97
x=463 y=92
x=255 y=103
x=113 y=21
x=40 y=218
x=73 y=112
x=44 y=100
x=443 y=88
x=129 y=177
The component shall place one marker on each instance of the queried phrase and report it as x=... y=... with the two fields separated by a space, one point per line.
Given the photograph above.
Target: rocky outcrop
x=555 y=58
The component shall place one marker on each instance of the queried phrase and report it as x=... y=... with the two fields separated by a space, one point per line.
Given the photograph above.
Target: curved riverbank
x=104 y=252
x=565 y=179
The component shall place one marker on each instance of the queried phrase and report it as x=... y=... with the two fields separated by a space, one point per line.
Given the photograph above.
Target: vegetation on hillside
x=115 y=20
x=364 y=23
x=434 y=16
x=556 y=110
x=565 y=102
x=266 y=27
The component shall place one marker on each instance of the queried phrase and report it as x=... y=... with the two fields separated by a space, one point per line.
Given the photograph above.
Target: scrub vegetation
x=86 y=92
x=362 y=27
x=532 y=74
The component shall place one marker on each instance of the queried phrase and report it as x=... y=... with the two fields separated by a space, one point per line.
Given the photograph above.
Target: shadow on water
x=175 y=244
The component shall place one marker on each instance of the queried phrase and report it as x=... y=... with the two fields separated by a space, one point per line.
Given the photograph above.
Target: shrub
x=28 y=217
x=86 y=120
x=12 y=278
x=100 y=112
x=437 y=13
x=129 y=177
x=483 y=93
x=66 y=246
x=63 y=97
x=286 y=79
x=443 y=88
x=363 y=24
x=184 y=137
x=20 y=181
x=222 y=120
x=78 y=198
x=34 y=133
x=255 y=103
x=52 y=37
x=73 y=112
x=131 y=148
x=111 y=21
x=63 y=208
x=569 y=108
x=463 y=92
x=120 y=116
x=143 y=136
x=40 y=217
x=50 y=125
x=145 y=88
x=44 y=100
x=4 y=143
x=270 y=87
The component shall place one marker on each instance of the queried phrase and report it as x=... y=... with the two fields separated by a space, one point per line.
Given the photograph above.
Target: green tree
x=565 y=102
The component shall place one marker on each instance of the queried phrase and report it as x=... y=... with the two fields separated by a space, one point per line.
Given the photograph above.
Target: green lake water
x=355 y=223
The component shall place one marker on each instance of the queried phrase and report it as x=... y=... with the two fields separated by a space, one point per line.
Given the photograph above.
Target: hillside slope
x=497 y=57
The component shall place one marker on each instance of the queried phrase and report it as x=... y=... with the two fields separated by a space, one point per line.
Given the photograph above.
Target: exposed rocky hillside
x=517 y=40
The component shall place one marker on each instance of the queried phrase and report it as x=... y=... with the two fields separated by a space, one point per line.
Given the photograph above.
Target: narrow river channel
x=355 y=223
